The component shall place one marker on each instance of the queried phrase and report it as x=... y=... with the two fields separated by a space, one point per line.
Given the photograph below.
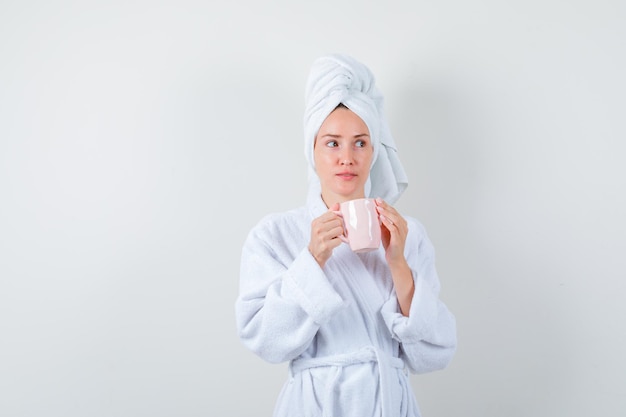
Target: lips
x=346 y=175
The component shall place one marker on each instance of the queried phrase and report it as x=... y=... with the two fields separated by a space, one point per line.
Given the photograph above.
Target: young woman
x=352 y=325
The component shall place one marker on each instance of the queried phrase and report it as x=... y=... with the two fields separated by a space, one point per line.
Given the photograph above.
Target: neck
x=331 y=198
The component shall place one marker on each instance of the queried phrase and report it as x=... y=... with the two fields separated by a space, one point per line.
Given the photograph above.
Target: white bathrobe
x=349 y=347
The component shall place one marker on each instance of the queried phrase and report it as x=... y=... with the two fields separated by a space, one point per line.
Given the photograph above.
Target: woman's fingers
x=325 y=232
x=390 y=216
x=394 y=232
x=389 y=224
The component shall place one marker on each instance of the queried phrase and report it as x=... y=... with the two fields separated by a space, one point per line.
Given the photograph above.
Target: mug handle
x=343 y=237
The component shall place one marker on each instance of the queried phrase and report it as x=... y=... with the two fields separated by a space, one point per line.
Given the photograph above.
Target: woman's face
x=343 y=155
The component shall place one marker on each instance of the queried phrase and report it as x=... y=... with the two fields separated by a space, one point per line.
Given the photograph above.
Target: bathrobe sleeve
x=428 y=335
x=284 y=295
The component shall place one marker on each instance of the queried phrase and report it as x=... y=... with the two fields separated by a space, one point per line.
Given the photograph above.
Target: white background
x=141 y=140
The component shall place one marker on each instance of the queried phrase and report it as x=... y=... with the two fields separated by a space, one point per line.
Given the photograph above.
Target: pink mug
x=361 y=224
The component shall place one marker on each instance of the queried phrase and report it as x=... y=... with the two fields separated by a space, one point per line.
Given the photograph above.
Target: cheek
x=320 y=154
x=368 y=159
x=322 y=162
x=317 y=158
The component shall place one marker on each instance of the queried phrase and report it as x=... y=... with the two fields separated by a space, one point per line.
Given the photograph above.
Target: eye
x=361 y=143
x=332 y=144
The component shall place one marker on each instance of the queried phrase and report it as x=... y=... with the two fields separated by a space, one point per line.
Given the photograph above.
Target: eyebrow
x=334 y=136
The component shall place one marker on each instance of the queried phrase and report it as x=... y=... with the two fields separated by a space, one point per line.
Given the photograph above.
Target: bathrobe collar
x=314 y=201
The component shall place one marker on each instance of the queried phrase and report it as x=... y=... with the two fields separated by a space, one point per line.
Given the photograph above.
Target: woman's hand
x=393 y=232
x=325 y=232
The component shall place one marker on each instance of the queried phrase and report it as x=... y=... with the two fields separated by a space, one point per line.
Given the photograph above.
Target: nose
x=347 y=157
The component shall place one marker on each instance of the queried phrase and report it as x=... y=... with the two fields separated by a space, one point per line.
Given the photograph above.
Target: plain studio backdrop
x=141 y=140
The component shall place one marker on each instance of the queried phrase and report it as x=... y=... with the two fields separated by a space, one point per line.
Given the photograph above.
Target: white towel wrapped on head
x=340 y=79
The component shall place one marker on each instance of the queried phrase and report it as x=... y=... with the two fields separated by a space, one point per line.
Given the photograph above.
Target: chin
x=347 y=191
x=350 y=194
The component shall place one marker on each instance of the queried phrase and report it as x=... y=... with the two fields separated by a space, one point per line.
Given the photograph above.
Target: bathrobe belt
x=367 y=354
